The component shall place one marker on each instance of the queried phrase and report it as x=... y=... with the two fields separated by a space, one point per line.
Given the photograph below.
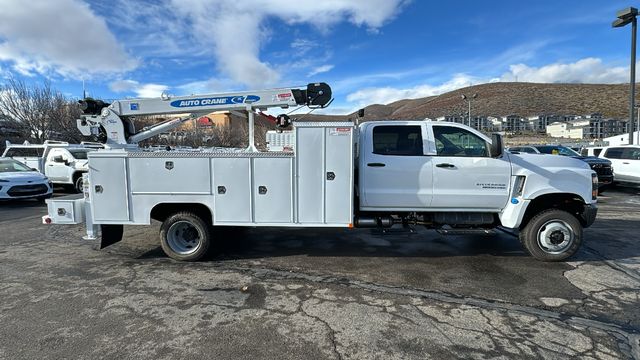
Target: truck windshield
x=12 y=166
x=557 y=150
x=80 y=154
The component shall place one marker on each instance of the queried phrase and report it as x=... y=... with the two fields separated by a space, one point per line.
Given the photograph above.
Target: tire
x=77 y=184
x=552 y=235
x=603 y=188
x=185 y=236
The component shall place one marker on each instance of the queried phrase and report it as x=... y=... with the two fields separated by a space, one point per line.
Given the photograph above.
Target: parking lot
x=277 y=293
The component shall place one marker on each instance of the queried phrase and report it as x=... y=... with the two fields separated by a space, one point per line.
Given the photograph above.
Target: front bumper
x=25 y=190
x=605 y=179
x=588 y=214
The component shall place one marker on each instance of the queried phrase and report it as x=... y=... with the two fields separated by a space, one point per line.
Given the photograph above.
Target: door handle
x=445 y=165
x=376 y=164
x=626 y=163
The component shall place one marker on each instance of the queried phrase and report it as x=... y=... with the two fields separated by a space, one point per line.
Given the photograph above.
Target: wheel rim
x=555 y=237
x=184 y=238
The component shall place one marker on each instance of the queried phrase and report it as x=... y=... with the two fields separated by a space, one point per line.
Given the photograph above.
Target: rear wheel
x=185 y=236
x=552 y=235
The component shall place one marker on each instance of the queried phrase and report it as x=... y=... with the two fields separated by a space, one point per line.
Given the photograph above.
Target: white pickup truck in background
x=61 y=162
x=444 y=176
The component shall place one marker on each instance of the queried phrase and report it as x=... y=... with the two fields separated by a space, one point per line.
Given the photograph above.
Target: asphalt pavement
x=318 y=294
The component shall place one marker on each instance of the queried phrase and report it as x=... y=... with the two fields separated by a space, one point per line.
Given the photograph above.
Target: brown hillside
x=499 y=99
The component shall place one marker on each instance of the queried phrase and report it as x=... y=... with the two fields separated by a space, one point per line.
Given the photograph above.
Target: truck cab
x=455 y=179
x=424 y=166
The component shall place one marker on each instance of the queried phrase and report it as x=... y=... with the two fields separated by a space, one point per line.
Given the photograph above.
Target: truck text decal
x=220 y=100
x=492 y=186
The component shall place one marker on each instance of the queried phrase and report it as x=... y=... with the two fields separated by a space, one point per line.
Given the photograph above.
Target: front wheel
x=552 y=235
x=185 y=236
x=78 y=184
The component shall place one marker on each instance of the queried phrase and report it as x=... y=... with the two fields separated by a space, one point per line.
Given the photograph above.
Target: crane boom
x=113 y=121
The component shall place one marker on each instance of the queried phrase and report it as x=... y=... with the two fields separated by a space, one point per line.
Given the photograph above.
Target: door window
x=631 y=154
x=397 y=140
x=453 y=141
x=614 y=153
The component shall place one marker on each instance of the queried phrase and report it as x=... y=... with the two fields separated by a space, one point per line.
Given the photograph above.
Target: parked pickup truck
x=61 y=162
x=444 y=176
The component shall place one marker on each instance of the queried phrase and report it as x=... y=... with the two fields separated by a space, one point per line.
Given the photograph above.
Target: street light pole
x=626 y=16
x=634 y=27
x=468 y=100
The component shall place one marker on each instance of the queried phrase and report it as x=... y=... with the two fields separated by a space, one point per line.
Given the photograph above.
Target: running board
x=466 y=231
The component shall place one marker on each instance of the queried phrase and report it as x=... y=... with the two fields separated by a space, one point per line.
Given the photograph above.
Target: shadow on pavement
x=612 y=238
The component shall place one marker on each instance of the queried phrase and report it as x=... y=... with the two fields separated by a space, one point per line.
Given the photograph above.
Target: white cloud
x=321 y=69
x=588 y=70
x=236 y=30
x=62 y=36
x=141 y=90
x=385 y=95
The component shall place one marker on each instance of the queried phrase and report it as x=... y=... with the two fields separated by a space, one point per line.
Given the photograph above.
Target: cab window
x=453 y=141
x=614 y=153
x=22 y=152
x=397 y=140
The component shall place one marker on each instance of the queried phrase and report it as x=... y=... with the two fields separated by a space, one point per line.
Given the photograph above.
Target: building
x=600 y=128
x=622 y=139
x=575 y=130
x=514 y=124
x=539 y=123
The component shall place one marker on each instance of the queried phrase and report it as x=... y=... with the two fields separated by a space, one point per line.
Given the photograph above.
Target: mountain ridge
x=503 y=98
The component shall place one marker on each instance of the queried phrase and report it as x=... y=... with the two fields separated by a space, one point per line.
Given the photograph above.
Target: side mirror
x=58 y=159
x=34 y=169
x=497 y=146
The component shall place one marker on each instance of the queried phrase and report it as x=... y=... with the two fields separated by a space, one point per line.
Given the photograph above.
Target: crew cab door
x=465 y=176
x=394 y=173
x=57 y=171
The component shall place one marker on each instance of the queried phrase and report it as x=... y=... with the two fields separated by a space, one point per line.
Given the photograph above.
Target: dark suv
x=602 y=167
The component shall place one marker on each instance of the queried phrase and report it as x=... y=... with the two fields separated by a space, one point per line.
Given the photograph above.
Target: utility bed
x=312 y=186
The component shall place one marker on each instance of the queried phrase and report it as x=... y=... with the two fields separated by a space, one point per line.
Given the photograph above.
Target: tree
x=38 y=112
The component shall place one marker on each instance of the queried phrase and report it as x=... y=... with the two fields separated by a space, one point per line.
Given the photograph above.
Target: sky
x=373 y=51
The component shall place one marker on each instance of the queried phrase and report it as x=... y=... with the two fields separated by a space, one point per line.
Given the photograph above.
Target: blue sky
x=373 y=51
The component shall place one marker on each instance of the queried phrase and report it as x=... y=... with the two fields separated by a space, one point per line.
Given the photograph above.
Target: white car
x=626 y=163
x=18 y=181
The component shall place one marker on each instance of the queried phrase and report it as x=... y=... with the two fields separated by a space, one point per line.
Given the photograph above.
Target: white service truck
x=61 y=162
x=445 y=176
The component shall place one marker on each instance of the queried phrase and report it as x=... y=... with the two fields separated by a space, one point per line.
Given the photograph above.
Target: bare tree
x=38 y=112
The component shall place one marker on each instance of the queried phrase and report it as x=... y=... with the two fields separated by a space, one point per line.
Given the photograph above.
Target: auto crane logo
x=218 y=100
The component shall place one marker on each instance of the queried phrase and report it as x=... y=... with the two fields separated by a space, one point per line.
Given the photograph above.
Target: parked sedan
x=18 y=181
x=626 y=160
x=602 y=167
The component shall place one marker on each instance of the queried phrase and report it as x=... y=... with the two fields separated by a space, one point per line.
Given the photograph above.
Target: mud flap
x=111 y=234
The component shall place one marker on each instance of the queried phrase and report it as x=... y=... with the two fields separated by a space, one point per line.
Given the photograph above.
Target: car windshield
x=557 y=150
x=80 y=154
x=12 y=166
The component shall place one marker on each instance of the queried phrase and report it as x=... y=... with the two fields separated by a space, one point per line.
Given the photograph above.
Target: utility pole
x=625 y=17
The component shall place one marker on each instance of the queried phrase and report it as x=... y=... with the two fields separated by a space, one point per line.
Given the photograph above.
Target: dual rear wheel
x=185 y=236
